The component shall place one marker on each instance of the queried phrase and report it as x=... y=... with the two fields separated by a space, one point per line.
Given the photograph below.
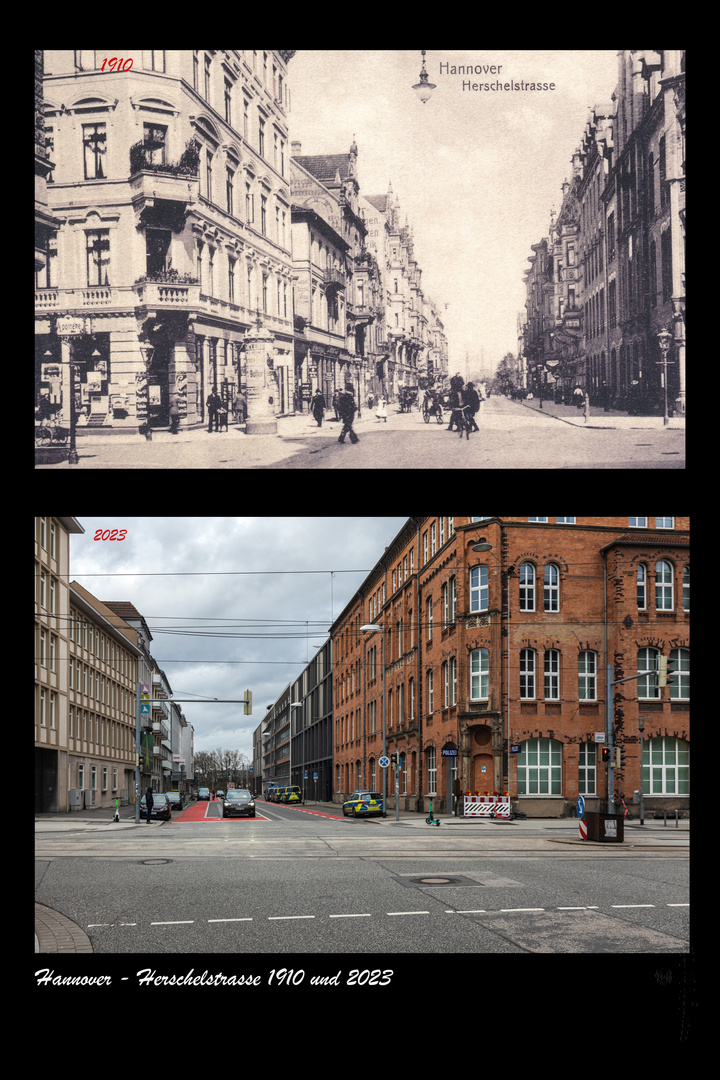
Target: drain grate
x=154 y=862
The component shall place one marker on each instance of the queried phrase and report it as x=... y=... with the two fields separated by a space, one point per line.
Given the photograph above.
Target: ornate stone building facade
x=171 y=186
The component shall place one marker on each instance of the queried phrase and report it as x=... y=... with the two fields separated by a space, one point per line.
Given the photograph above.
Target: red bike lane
x=208 y=811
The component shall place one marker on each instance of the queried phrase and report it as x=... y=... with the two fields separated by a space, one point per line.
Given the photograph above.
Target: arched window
x=647 y=685
x=479 y=588
x=664 y=586
x=527 y=673
x=479 y=674
x=587 y=676
x=527 y=587
x=552 y=588
x=552 y=675
x=680 y=664
x=642 y=586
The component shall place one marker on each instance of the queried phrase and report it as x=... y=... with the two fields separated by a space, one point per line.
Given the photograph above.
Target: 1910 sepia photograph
x=360 y=259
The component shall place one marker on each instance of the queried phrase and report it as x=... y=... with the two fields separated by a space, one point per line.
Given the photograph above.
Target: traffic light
x=665 y=672
x=248 y=702
x=605 y=754
x=395 y=759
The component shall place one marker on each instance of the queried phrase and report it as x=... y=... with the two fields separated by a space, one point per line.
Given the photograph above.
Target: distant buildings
x=611 y=273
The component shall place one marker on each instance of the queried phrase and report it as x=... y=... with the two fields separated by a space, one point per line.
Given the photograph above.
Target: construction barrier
x=487 y=806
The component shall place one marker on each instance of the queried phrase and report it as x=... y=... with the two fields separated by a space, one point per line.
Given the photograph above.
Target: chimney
x=295 y=149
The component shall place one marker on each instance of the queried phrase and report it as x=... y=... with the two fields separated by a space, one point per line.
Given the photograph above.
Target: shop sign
x=68 y=326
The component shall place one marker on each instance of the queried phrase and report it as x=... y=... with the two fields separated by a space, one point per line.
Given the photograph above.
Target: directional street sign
x=580 y=806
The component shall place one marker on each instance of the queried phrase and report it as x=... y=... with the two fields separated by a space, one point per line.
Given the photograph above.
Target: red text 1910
x=121 y=66
x=110 y=534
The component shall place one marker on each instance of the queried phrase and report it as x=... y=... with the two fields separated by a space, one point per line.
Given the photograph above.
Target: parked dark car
x=238 y=801
x=204 y=793
x=176 y=800
x=160 y=807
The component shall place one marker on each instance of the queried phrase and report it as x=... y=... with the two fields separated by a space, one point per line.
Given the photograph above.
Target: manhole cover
x=154 y=862
x=433 y=880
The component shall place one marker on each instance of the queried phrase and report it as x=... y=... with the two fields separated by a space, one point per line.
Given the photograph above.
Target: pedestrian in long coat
x=317 y=407
x=381 y=411
x=214 y=402
x=149 y=803
x=346 y=411
x=470 y=398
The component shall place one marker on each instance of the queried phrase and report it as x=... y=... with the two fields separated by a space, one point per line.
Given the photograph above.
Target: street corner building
x=498 y=635
x=184 y=246
x=163 y=248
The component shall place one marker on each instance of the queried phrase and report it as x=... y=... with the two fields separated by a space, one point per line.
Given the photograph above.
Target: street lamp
x=423 y=89
x=298 y=705
x=664 y=341
x=370 y=629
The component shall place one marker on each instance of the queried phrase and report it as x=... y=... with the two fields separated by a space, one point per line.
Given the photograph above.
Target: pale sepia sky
x=477 y=172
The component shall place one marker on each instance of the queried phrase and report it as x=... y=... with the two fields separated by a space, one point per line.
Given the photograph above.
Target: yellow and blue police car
x=289 y=794
x=363 y=803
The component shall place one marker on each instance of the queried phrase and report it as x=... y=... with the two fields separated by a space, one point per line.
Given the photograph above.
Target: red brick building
x=501 y=654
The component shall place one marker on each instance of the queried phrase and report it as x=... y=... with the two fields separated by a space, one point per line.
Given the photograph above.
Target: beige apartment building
x=102 y=680
x=52 y=614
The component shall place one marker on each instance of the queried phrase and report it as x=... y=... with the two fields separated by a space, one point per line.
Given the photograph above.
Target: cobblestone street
x=513 y=435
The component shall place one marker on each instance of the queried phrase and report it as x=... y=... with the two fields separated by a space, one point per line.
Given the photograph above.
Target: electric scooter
x=431 y=820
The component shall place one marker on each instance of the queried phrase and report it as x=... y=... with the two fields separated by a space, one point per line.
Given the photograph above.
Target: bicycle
x=51 y=433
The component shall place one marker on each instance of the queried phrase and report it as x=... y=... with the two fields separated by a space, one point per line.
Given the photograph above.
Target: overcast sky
x=258 y=608
x=477 y=172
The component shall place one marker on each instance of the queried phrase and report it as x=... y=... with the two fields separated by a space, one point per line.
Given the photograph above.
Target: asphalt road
x=289 y=882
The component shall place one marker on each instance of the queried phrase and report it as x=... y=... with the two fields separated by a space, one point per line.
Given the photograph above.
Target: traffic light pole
x=246 y=701
x=663 y=676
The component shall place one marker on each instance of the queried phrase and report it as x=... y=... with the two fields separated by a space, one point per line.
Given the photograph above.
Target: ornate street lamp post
x=664 y=341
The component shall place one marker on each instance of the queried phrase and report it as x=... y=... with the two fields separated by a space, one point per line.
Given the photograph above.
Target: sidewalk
x=599 y=418
x=652 y=833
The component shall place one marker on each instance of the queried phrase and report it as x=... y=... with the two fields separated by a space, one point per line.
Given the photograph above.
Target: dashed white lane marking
x=368 y=915
x=275 y=918
x=230 y=920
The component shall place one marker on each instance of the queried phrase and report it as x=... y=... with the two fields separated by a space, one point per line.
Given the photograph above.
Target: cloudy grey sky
x=270 y=621
x=477 y=173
